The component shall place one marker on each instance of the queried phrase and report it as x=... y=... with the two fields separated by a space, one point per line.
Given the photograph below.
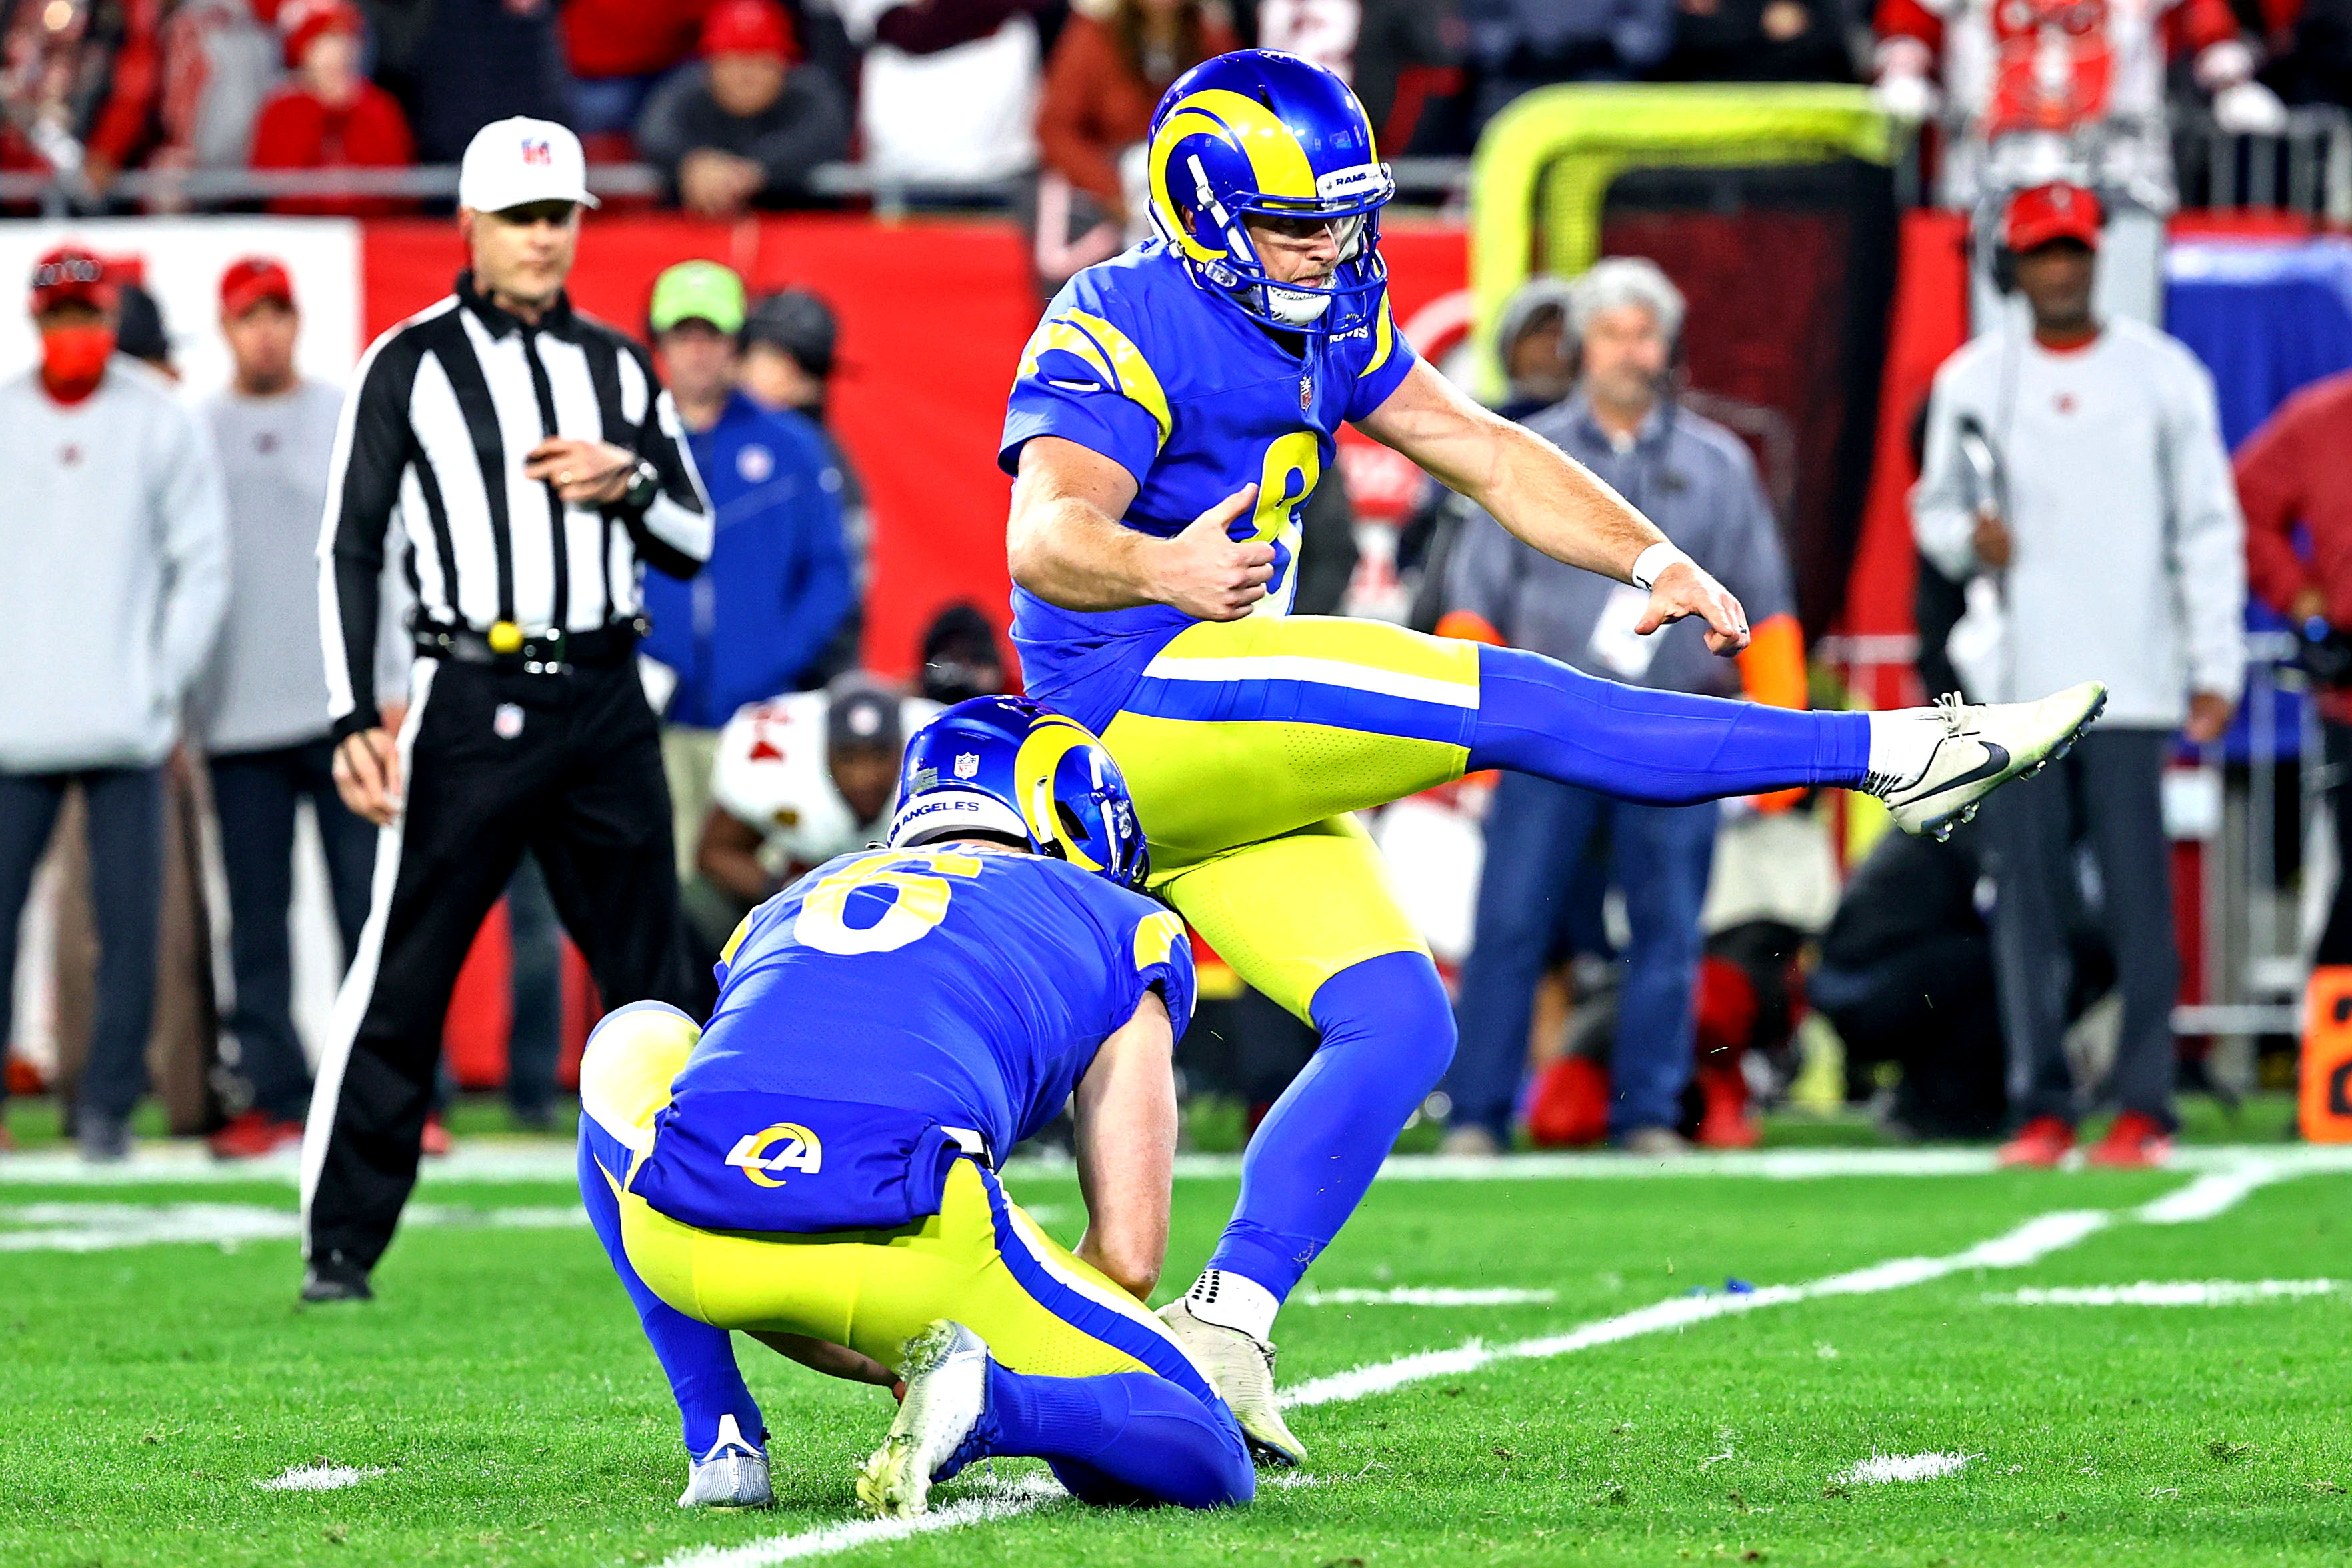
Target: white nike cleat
x=941 y=1426
x=1241 y=1367
x=1980 y=747
x=734 y=1474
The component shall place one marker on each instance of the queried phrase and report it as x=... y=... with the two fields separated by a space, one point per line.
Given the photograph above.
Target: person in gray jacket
x=259 y=710
x=1696 y=480
x=2075 y=466
x=113 y=550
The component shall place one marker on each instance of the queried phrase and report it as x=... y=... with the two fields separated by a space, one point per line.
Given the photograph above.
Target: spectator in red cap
x=330 y=116
x=112 y=549
x=259 y=710
x=618 y=51
x=746 y=128
x=2077 y=480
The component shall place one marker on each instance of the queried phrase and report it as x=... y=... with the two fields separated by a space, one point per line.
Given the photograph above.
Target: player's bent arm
x=1065 y=542
x=822 y=1355
x=729 y=854
x=1534 y=489
x=1546 y=498
x=1126 y=1116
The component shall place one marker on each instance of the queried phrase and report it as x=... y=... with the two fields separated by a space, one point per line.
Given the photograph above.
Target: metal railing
x=1421 y=181
x=2306 y=169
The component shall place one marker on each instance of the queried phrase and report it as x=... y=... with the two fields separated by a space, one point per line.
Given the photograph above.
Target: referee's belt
x=507 y=647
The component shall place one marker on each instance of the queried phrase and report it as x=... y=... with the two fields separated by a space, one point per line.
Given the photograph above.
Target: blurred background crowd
x=731 y=104
x=2082 y=483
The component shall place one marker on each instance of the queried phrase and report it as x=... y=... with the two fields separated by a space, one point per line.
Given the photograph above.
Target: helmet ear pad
x=1012 y=769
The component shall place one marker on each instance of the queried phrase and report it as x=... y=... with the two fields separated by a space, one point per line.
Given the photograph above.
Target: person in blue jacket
x=758 y=620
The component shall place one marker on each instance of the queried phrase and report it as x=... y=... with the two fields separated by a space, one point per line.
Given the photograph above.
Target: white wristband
x=1653 y=560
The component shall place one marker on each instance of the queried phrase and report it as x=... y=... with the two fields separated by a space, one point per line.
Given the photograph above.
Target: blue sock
x=1387 y=1035
x=1662 y=748
x=1124 y=1438
x=698 y=1359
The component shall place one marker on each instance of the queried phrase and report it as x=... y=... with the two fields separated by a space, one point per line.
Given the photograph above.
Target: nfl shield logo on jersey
x=1305 y=393
x=967 y=764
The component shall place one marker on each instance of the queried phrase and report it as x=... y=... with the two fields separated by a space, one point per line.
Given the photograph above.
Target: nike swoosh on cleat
x=1996 y=760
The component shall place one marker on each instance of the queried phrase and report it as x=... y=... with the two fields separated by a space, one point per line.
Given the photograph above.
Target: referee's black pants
x=496 y=760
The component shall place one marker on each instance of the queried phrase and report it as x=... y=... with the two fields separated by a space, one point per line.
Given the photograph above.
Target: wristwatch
x=644 y=483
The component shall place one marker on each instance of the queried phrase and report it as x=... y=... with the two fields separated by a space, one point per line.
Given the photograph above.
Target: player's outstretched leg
x=625 y=1076
x=1388 y=1035
x=1932 y=766
x=1121 y=1437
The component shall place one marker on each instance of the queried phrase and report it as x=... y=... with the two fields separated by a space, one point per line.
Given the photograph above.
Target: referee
x=532 y=464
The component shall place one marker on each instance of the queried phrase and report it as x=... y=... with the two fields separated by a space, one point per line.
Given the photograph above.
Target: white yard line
x=1425 y=1296
x=320 y=1478
x=2215 y=1193
x=1880 y=1468
x=2170 y=1293
x=107 y=1227
x=2029 y=1243
x=182 y=1161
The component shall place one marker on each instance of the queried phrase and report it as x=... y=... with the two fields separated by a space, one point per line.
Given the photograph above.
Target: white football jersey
x=771 y=774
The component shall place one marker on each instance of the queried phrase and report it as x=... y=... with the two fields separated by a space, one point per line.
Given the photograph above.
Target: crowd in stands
x=737 y=102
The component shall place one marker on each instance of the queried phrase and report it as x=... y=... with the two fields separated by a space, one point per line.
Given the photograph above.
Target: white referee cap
x=513 y=163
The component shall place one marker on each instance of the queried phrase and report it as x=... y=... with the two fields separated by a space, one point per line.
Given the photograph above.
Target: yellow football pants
x=980 y=1260
x=1246 y=743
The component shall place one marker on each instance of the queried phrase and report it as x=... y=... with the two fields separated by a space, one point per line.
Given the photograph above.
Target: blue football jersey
x=1138 y=363
x=971 y=985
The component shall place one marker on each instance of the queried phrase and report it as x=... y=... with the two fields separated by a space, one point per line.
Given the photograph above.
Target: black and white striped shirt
x=447 y=406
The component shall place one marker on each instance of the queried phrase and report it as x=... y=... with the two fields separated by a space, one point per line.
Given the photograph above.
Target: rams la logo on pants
x=796 y=1148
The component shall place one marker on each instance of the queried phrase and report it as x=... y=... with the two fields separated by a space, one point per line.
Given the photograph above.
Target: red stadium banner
x=933 y=314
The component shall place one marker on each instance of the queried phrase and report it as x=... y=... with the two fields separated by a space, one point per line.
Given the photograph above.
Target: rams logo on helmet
x=1259 y=133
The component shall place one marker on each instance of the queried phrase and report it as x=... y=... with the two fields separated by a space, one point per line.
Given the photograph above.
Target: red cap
x=250 y=280
x=2047 y=213
x=304 y=20
x=749 y=28
x=70 y=272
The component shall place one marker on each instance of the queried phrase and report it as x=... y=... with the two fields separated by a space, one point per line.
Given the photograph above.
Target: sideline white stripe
x=2029 y=1243
x=359 y=980
x=1425 y=1296
x=2035 y=1239
x=2169 y=1293
x=109 y=1227
x=500 y=1157
x=1317 y=672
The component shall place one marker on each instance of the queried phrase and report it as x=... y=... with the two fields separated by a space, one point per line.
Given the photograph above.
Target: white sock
x=1902 y=743
x=1234 y=1301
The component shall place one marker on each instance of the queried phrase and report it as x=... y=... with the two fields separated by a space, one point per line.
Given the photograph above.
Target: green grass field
x=500 y=1386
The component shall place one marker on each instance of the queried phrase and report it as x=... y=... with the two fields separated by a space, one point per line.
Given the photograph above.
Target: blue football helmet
x=1261 y=133
x=1018 y=771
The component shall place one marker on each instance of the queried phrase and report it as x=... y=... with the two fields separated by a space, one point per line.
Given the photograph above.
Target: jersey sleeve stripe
x=1112 y=354
x=1384 y=339
x=1154 y=936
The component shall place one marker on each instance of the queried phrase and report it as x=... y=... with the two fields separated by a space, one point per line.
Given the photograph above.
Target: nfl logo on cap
x=519 y=162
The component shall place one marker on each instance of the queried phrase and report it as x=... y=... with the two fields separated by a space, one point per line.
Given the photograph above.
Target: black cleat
x=335 y=1280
